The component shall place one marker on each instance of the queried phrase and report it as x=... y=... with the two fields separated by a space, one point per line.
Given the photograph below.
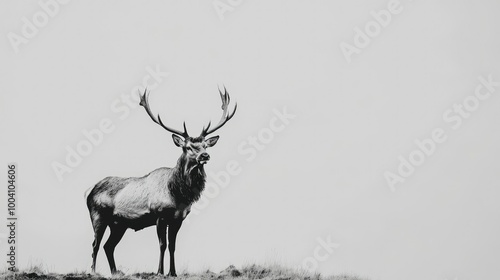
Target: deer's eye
x=192 y=149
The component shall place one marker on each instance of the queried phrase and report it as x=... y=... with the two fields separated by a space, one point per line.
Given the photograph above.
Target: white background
x=322 y=176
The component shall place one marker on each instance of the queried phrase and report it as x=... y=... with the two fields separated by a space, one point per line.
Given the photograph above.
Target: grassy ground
x=252 y=272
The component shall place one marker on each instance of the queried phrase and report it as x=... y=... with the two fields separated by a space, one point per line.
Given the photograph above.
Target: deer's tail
x=87 y=192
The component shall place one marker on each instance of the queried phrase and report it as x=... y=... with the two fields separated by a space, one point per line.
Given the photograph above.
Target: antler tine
x=204 y=130
x=225 y=116
x=185 y=130
x=225 y=102
x=144 y=103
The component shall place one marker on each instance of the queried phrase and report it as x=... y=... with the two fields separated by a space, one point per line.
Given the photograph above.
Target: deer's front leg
x=161 y=230
x=173 y=228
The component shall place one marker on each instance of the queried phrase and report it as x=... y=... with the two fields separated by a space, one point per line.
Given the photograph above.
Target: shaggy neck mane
x=187 y=181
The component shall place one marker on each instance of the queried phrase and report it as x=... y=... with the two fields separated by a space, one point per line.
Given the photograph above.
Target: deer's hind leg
x=99 y=228
x=117 y=232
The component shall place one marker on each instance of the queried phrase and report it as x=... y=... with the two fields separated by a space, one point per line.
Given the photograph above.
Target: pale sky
x=320 y=176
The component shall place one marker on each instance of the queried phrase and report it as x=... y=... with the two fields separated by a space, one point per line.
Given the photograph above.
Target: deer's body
x=139 y=202
x=162 y=198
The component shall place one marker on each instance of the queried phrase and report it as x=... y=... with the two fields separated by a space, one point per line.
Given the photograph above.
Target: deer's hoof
x=172 y=274
x=117 y=273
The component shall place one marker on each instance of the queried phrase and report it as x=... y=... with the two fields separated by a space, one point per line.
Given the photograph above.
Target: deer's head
x=194 y=148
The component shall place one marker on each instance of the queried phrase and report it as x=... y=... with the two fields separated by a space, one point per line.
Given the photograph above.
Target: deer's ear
x=212 y=141
x=178 y=141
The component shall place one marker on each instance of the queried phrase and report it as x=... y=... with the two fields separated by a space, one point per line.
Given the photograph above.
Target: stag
x=162 y=197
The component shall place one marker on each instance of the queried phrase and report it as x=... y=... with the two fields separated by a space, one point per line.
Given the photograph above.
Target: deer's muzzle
x=203 y=158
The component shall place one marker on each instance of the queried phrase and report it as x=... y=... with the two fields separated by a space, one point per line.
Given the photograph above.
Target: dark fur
x=187 y=181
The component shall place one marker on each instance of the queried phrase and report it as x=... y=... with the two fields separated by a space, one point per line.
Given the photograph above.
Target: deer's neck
x=187 y=181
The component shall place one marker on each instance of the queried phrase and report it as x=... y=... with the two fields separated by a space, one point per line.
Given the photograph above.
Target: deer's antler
x=144 y=103
x=225 y=115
